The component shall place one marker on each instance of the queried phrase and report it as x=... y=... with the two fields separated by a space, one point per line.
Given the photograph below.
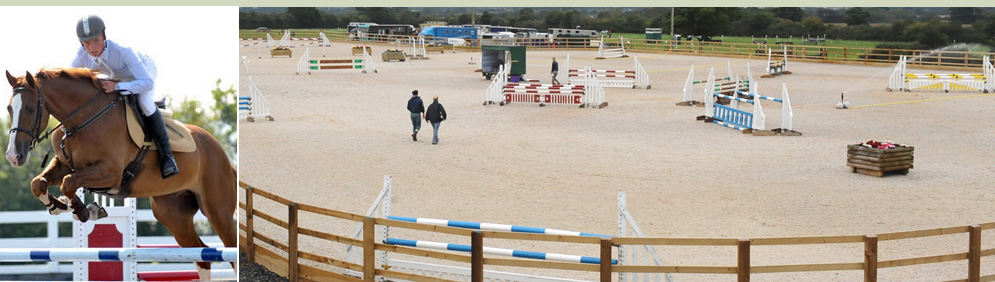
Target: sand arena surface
x=337 y=133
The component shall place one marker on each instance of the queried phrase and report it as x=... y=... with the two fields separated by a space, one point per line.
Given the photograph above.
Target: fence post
x=369 y=251
x=477 y=256
x=870 y=258
x=974 y=254
x=606 y=259
x=292 y=270
x=250 y=233
x=743 y=267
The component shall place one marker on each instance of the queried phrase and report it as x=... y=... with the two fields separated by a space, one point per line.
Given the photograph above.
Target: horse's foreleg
x=99 y=174
x=51 y=176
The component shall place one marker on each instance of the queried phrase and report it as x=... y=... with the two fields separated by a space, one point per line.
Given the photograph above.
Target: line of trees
x=924 y=28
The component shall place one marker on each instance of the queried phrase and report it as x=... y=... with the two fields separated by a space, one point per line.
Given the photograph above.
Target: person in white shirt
x=128 y=70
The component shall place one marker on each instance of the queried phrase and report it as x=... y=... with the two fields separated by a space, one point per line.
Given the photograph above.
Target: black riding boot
x=161 y=137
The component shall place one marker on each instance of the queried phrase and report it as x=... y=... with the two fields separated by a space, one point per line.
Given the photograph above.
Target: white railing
x=52 y=240
x=635 y=254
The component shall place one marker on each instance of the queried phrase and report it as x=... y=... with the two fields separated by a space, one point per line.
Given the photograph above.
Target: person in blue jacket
x=128 y=70
x=417 y=109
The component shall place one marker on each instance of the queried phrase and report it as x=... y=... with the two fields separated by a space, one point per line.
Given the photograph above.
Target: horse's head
x=28 y=117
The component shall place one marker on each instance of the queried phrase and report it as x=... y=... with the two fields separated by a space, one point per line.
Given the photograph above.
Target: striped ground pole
x=544 y=91
x=733 y=98
x=761 y=96
x=120 y=254
x=496 y=251
x=493 y=226
x=604 y=71
x=537 y=86
x=548 y=87
x=729 y=125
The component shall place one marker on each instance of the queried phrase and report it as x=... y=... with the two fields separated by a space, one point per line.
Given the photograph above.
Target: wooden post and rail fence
x=289 y=265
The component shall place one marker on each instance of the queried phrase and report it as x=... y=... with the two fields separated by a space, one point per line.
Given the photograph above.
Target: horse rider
x=136 y=73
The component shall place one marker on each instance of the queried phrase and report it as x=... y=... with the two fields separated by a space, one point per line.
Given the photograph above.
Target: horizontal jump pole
x=492 y=226
x=496 y=251
x=558 y=86
x=120 y=254
x=978 y=75
x=245 y=98
x=343 y=67
x=544 y=91
x=733 y=98
x=244 y=108
x=761 y=96
x=351 y=61
x=606 y=75
x=605 y=71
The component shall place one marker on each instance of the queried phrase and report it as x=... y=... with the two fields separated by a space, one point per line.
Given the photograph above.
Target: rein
x=37 y=138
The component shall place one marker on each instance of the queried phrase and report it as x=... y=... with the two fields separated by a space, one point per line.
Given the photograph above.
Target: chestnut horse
x=92 y=148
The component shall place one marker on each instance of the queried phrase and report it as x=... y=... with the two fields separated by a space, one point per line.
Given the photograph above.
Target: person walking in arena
x=130 y=72
x=435 y=114
x=555 y=71
x=417 y=109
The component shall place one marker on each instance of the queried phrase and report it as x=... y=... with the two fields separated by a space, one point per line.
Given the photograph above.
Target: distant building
x=449 y=32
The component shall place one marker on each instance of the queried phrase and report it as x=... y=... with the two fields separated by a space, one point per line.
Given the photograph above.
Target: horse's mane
x=77 y=73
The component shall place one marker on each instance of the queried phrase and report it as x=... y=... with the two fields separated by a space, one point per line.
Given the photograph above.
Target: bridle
x=36 y=129
x=38 y=137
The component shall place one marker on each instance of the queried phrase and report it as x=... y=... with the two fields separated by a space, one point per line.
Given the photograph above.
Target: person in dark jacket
x=555 y=71
x=417 y=109
x=435 y=115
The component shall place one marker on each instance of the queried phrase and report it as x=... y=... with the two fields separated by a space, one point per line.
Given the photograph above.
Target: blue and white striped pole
x=121 y=254
x=493 y=226
x=760 y=96
x=496 y=251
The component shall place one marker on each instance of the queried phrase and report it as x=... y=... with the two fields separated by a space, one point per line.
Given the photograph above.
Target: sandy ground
x=338 y=133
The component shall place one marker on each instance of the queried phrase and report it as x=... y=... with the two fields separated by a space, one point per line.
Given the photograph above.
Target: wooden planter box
x=878 y=162
x=359 y=51
x=391 y=56
x=274 y=53
x=431 y=49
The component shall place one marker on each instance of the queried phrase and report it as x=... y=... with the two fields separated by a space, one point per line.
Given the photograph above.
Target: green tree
x=965 y=15
x=378 y=15
x=928 y=34
x=219 y=119
x=760 y=21
x=988 y=30
x=305 y=17
x=571 y=19
x=486 y=18
x=794 y=14
x=813 y=26
x=463 y=19
x=857 y=16
x=709 y=21
x=526 y=14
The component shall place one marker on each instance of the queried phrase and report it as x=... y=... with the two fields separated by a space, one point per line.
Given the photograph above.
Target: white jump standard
x=733 y=84
x=747 y=122
x=636 y=78
x=253 y=106
x=611 y=53
x=984 y=82
x=775 y=68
